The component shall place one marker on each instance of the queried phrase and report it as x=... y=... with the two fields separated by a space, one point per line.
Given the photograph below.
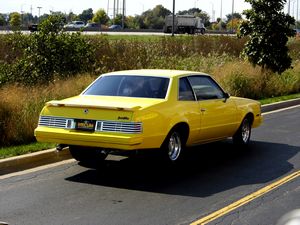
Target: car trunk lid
x=98 y=107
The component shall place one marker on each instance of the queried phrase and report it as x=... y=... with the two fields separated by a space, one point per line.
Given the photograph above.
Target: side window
x=205 y=88
x=185 y=90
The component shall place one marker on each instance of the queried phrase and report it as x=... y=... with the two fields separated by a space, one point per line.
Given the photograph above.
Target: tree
x=136 y=22
x=86 y=15
x=117 y=20
x=15 y=19
x=43 y=17
x=133 y=22
x=53 y=24
x=2 y=20
x=160 y=11
x=52 y=54
x=71 y=17
x=100 y=17
x=268 y=28
x=191 y=11
x=155 y=18
x=235 y=16
x=27 y=18
x=233 y=24
x=205 y=18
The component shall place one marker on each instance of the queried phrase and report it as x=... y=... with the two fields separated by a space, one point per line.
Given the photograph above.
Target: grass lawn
x=6 y=152
x=278 y=99
x=132 y=37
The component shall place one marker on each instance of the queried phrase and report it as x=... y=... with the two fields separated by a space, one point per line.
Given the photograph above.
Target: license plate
x=87 y=125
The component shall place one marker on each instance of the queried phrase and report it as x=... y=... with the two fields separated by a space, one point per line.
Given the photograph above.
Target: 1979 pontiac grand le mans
x=166 y=110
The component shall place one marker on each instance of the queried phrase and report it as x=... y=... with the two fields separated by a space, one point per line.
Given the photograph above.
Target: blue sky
x=212 y=7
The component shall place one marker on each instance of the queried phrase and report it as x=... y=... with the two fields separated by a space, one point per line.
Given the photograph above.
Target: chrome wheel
x=242 y=136
x=246 y=131
x=174 y=146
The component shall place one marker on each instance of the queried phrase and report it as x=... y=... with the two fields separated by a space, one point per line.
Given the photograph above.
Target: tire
x=87 y=156
x=174 y=147
x=242 y=136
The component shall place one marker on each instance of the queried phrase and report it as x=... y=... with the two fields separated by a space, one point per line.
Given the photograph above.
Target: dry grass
x=242 y=79
x=20 y=107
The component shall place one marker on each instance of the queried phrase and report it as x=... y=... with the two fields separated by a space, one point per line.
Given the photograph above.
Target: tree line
x=150 y=19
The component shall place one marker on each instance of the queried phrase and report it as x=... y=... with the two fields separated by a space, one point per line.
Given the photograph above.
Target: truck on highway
x=184 y=24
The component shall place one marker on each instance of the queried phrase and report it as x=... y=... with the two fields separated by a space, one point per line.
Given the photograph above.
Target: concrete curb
x=32 y=160
x=28 y=161
x=280 y=105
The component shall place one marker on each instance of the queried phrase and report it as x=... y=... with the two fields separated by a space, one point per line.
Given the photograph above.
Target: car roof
x=156 y=72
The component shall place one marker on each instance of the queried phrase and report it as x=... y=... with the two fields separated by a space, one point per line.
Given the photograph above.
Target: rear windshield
x=130 y=86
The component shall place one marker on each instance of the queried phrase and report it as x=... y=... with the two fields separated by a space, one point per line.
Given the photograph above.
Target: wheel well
x=250 y=116
x=183 y=129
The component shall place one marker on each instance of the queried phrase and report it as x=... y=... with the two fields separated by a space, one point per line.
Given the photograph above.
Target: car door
x=189 y=109
x=217 y=111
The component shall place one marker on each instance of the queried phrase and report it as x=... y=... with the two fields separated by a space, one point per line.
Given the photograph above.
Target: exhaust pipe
x=60 y=147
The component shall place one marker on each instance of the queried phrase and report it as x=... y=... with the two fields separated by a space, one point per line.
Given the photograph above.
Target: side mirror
x=226 y=95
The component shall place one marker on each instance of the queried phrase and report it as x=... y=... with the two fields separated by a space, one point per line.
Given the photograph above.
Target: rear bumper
x=95 y=139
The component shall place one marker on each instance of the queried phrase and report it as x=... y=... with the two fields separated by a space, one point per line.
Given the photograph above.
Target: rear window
x=129 y=86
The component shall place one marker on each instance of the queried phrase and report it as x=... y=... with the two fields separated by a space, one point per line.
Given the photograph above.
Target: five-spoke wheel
x=242 y=136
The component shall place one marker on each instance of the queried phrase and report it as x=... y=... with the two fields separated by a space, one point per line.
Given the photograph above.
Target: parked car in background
x=75 y=24
x=115 y=27
x=33 y=27
x=93 y=25
x=166 y=110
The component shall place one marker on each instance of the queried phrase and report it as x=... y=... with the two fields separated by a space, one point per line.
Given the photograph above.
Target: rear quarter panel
x=245 y=106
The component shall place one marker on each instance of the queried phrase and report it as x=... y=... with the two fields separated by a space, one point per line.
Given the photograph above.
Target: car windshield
x=129 y=86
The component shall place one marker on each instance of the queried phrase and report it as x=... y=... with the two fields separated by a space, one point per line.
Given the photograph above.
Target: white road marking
x=280 y=110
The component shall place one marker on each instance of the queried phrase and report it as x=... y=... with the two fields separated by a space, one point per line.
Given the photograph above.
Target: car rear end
x=88 y=125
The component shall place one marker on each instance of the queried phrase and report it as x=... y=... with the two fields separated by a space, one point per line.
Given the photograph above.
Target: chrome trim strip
x=101 y=125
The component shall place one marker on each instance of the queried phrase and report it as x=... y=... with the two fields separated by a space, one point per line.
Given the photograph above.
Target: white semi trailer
x=184 y=24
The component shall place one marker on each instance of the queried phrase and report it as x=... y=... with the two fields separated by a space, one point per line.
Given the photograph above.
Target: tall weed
x=20 y=106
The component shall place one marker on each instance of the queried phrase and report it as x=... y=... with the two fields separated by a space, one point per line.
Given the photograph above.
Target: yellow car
x=166 y=110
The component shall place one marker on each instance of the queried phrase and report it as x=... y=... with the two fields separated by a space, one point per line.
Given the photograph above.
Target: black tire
x=173 y=147
x=88 y=156
x=242 y=136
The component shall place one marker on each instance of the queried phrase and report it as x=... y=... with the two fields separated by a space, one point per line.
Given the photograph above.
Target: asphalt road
x=142 y=190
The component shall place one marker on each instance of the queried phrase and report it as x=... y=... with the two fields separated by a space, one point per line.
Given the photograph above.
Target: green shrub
x=50 y=53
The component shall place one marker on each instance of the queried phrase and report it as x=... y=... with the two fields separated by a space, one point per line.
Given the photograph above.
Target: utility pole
x=289 y=7
x=221 y=12
x=22 y=12
x=232 y=15
x=123 y=15
x=39 y=7
x=114 y=12
x=107 y=11
x=212 y=12
x=117 y=7
x=31 y=16
x=294 y=9
x=297 y=18
x=22 y=18
x=173 y=19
